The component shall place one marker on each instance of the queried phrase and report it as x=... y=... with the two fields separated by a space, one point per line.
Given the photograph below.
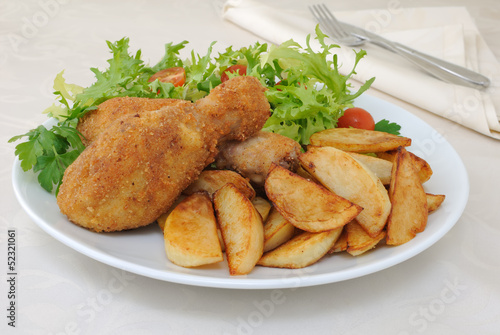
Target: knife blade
x=439 y=68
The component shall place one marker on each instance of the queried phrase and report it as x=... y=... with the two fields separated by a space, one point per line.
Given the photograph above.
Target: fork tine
x=327 y=21
x=319 y=16
x=333 y=21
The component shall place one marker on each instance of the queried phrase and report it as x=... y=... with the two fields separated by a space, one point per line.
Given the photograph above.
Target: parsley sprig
x=50 y=151
x=388 y=127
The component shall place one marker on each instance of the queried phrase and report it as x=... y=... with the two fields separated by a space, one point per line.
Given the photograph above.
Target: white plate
x=142 y=252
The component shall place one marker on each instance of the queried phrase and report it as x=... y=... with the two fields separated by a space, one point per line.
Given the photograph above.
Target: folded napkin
x=445 y=32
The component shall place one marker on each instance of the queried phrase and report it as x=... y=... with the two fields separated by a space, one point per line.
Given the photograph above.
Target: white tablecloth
x=451 y=288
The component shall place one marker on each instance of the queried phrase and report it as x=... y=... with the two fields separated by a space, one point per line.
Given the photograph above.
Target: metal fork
x=333 y=27
x=439 y=68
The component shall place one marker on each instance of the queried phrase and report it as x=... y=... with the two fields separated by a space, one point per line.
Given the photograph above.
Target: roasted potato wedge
x=423 y=168
x=409 y=201
x=305 y=204
x=302 y=250
x=190 y=233
x=262 y=206
x=211 y=180
x=277 y=230
x=304 y=174
x=387 y=155
x=161 y=220
x=221 y=240
x=358 y=241
x=341 y=243
x=434 y=201
x=342 y=174
x=241 y=227
x=380 y=167
x=358 y=140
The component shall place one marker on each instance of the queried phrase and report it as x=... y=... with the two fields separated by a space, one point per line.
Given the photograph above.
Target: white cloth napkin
x=445 y=32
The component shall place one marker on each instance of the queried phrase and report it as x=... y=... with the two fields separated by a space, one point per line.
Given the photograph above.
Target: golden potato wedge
x=387 y=155
x=161 y=220
x=341 y=243
x=342 y=174
x=305 y=204
x=301 y=251
x=262 y=206
x=304 y=174
x=423 y=168
x=380 y=167
x=211 y=180
x=358 y=241
x=358 y=140
x=434 y=201
x=277 y=230
x=241 y=227
x=409 y=201
x=190 y=233
x=221 y=240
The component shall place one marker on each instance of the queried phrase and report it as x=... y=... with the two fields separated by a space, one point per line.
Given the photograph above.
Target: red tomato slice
x=174 y=75
x=238 y=68
x=357 y=118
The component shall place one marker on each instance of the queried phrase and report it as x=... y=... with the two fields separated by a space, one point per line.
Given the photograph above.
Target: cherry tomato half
x=357 y=118
x=174 y=75
x=238 y=68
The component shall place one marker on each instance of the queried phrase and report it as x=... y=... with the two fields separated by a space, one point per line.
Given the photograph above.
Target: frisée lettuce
x=305 y=89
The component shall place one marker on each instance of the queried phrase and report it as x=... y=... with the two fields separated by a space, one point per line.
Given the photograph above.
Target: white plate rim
x=291 y=278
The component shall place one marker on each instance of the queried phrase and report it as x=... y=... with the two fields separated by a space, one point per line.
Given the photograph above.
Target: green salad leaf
x=305 y=89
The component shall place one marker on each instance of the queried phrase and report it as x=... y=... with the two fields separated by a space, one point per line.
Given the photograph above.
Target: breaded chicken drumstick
x=94 y=123
x=139 y=164
x=253 y=157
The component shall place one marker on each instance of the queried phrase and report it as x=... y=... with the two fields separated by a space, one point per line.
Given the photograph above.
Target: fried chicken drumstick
x=268 y=147
x=137 y=166
x=94 y=123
